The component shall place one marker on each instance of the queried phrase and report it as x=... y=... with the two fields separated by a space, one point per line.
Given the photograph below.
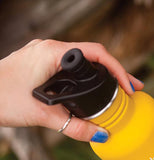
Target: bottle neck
x=116 y=110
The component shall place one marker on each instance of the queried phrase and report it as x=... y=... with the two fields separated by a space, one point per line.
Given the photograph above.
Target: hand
x=32 y=65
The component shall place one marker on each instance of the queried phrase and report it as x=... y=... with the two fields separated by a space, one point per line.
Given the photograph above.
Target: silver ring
x=66 y=124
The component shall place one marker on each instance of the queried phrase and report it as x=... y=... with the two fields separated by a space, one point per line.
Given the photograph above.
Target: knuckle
x=14 y=52
x=41 y=117
x=100 y=46
x=34 y=41
x=53 y=44
x=47 y=43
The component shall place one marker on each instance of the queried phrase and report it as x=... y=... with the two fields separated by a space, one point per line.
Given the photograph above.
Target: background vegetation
x=124 y=27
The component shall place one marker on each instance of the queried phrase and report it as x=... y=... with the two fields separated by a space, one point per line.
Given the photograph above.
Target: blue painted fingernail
x=141 y=81
x=100 y=137
x=132 y=87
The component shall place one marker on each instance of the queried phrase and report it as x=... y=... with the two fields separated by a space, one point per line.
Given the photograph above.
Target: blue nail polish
x=141 y=81
x=100 y=137
x=132 y=87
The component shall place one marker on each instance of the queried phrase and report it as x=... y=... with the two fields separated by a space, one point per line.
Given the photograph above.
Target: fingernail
x=132 y=87
x=100 y=137
x=141 y=81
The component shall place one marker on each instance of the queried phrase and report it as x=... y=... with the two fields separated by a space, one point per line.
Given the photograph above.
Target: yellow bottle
x=88 y=91
x=130 y=122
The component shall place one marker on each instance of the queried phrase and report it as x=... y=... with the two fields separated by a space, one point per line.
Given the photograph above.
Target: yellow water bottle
x=89 y=92
x=130 y=121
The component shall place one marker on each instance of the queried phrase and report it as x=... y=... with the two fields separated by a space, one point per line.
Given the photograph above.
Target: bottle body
x=130 y=122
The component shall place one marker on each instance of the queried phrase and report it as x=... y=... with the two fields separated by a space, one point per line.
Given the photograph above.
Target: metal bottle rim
x=106 y=107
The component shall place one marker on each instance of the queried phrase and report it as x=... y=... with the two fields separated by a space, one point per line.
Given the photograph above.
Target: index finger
x=97 y=53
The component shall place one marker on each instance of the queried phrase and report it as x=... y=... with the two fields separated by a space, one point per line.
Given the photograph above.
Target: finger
x=97 y=53
x=94 y=52
x=138 y=85
x=85 y=131
x=77 y=129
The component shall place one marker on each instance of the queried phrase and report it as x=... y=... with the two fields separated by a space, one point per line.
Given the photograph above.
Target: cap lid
x=84 y=88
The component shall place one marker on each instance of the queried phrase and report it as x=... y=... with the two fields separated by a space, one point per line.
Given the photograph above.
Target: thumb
x=85 y=131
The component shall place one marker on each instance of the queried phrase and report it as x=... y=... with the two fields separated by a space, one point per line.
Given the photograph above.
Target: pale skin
x=32 y=65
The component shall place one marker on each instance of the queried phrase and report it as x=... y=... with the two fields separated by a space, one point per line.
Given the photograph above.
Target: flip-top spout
x=84 y=88
x=73 y=61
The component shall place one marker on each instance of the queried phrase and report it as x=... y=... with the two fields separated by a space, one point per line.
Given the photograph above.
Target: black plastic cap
x=84 y=88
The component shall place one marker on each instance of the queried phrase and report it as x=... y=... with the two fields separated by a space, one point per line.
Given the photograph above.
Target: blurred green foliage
x=73 y=150
x=9 y=156
x=149 y=79
x=150 y=62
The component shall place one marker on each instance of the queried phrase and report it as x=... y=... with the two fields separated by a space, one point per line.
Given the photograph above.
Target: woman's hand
x=32 y=65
